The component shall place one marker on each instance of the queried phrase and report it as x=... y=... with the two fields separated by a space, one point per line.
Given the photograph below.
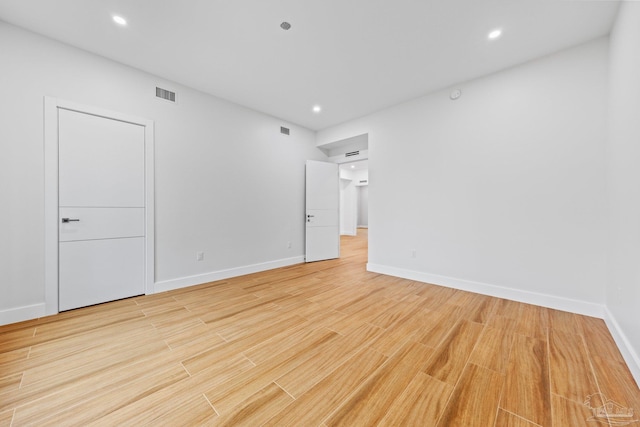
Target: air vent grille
x=353 y=153
x=165 y=94
x=363 y=181
x=284 y=130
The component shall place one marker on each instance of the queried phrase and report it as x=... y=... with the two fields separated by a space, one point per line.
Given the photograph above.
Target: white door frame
x=51 y=226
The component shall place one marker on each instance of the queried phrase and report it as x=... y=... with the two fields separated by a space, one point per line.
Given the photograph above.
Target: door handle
x=66 y=220
x=310 y=216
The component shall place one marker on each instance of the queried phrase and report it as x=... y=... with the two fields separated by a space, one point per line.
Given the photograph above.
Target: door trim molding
x=51 y=107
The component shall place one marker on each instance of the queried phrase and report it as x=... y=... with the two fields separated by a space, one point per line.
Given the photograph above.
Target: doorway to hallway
x=355 y=248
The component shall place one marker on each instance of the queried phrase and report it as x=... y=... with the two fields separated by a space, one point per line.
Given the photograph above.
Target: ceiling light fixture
x=353 y=166
x=119 y=20
x=316 y=109
x=285 y=25
x=495 y=34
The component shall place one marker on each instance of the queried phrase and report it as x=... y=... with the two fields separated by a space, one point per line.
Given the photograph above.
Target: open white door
x=323 y=211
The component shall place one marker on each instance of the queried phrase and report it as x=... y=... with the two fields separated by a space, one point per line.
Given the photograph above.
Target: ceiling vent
x=284 y=130
x=364 y=181
x=353 y=153
x=165 y=94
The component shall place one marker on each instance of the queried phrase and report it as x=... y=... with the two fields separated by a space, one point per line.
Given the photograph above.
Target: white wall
x=348 y=203
x=363 y=206
x=623 y=281
x=501 y=191
x=227 y=182
x=360 y=175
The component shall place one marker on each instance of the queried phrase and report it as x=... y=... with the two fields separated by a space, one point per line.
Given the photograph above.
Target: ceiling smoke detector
x=285 y=25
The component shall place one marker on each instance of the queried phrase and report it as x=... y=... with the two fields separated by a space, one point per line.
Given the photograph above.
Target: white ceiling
x=352 y=57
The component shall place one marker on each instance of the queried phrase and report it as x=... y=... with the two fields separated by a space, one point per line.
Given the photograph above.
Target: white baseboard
x=20 y=314
x=625 y=347
x=183 y=282
x=543 y=300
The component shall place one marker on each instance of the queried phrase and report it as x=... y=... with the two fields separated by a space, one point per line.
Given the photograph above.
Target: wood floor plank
x=505 y=419
x=267 y=349
x=49 y=358
x=168 y=404
x=13 y=356
x=533 y=321
x=371 y=401
x=406 y=327
x=9 y=339
x=438 y=324
x=348 y=324
x=507 y=308
x=493 y=348
x=415 y=354
x=203 y=360
x=598 y=339
x=450 y=357
x=59 y=409
x=563 y=321
x=474 y=400
x=194 y=412
x=567 y=412
x=304 y=376
x=82 y=364
x=526 y=390
x=247 y=325
x=69 y=394
x=258 y=408
x=615 y=382
x=163 y=403
x=571 y=373
x=10 y=383
x=421 y=403
x=323 y=398
x=394 y=313
x=479 y=308
x=226 y=396
x=201 y=332
x=231 y=311
x=5 y=418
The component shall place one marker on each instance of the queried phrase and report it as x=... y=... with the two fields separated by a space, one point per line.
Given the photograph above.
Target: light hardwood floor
x=318 y=344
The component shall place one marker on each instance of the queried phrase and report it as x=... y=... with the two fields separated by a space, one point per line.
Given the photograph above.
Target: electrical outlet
x=199 y=256
x=413 y=253
x=289 y=245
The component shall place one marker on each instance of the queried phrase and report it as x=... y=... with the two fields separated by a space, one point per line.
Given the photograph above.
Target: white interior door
x=101 y=209
x=323 y=211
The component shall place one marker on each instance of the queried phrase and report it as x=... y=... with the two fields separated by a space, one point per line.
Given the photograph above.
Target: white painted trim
x=19 y=314
x=543 y=300
x=51 y=205
x=149 y=205
x=183 y=282
x=51 y=107
x=624 y=345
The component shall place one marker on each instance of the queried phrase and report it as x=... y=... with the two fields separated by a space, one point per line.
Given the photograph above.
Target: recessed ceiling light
x=495 y=34
x=119 y=20
x=285 y=25
x=353 y=166
x=316 y=109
